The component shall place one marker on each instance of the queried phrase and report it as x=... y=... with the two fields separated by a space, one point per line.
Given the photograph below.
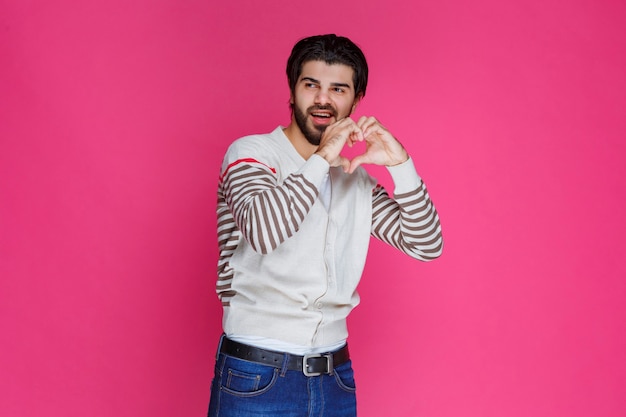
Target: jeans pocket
x=344 y=375
x=245 y=378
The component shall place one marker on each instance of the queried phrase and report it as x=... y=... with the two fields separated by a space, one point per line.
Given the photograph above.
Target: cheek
x=345 y=109
x=301 y=100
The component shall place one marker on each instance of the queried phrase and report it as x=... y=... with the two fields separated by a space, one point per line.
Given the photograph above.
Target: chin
x=313 y=141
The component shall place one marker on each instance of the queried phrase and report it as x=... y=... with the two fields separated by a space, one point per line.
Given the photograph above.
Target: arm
x=409 y=223
x=268 y=213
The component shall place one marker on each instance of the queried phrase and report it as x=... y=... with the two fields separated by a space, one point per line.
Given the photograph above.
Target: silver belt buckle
x=329 y=364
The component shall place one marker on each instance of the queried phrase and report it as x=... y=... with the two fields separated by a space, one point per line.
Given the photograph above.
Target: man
x=294 y=223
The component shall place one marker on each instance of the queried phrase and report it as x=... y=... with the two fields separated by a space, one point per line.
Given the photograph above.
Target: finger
x=368 y=125
x=357 y=135
x=377 y=132
x=365 y=121
x=346 y=127
x=356 y=162
x=362 y=120
x=351 y=140
x=344 y=163
x=346 y=121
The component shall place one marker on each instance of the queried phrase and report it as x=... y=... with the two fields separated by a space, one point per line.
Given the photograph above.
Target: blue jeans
x=244 y=389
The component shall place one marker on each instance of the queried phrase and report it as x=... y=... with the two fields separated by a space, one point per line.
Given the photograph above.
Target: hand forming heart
x=381 y=148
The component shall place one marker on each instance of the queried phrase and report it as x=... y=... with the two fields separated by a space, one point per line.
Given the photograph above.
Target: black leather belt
x=311 y=365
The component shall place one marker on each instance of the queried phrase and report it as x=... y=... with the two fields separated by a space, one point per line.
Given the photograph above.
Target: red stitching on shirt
x=246 y=160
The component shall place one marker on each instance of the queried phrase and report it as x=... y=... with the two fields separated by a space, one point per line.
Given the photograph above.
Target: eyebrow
x=313 y=80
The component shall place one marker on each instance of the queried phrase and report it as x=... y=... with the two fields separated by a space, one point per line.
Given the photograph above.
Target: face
x=323 y=94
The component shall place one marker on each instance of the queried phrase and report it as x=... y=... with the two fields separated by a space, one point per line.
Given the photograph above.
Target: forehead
x=323 y=72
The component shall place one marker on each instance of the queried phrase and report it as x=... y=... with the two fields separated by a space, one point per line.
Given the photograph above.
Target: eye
x=310 y=85
x=339 y=90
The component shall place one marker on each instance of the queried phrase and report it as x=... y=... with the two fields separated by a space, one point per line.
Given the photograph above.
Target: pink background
x=114 y=117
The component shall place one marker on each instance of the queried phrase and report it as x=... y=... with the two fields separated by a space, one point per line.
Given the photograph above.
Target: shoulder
x=254 y=145
x=273 y=137
x=251 y=141
x=262 y=148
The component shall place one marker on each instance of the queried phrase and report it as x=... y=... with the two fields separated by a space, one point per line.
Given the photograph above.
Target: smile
x=322 y=115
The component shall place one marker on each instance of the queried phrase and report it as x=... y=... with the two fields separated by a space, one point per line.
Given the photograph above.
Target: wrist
x=404 y=176
x=400 y=160
x=323 y=155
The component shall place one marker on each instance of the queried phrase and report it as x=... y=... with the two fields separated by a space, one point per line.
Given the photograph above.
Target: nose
x=322 y=97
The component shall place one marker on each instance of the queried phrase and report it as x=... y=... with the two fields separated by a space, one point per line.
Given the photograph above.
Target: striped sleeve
x=265 y=212
x=409 y=222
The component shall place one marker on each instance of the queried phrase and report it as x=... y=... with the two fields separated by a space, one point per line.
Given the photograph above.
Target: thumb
x=343 y=162
x=356 y=162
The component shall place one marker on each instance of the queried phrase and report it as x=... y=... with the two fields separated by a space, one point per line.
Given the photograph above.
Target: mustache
x=325 y=107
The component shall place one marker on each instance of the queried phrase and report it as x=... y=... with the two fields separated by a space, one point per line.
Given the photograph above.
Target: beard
x=312 y=134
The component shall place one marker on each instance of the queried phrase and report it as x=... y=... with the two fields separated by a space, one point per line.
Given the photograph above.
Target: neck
x=299 y=142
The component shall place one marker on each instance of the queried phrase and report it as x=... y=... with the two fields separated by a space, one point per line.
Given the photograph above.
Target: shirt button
x=319 y=305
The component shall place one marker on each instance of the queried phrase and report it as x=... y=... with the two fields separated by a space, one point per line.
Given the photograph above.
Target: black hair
x=331 y=49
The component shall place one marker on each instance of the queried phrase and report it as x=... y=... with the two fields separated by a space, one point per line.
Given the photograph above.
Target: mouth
x=322 y=117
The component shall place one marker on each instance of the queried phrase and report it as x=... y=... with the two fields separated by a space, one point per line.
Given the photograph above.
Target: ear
x=356 y=102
